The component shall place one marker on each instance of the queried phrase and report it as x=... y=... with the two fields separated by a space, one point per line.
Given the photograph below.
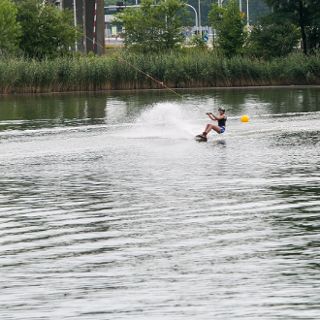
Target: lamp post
x=75 y=22
x=195 y=13
x=199 y=16
x=248 y=13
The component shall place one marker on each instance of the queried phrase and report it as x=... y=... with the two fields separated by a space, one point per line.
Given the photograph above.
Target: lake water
x=110 y=210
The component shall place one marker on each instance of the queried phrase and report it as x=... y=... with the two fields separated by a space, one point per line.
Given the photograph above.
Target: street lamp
x=247 y=12
x=195 y=13
x=75 y=22
x=199 y=15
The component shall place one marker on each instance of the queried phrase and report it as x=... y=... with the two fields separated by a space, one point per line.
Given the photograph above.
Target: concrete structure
x=89 y=19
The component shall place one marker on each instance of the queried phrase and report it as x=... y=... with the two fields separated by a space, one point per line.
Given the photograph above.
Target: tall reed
x=183 y=69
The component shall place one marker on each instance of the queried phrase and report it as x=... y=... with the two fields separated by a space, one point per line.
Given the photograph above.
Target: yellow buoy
x=244 y=118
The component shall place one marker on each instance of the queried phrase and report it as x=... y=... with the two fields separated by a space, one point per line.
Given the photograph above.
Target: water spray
x=161 y=83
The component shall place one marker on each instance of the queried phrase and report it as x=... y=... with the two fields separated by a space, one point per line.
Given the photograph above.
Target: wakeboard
x=200 y=138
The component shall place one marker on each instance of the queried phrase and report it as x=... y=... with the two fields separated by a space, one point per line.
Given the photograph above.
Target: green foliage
x=273 y=38
x=153 y=27
x=197 y=41
x=10 y=30
x=314 y=38
x=229 y=24
x=47 y=31
x=185 y=69
x=305 y=15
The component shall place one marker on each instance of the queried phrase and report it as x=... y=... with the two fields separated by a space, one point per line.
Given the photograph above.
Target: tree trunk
x=302 y=28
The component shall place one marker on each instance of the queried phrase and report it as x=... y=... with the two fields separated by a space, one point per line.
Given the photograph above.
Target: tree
x=229 y=24
x=153 y=27
x=273 y=38
x=47 y=30
x=304 y=14
x=197 y=41
x=10 y=30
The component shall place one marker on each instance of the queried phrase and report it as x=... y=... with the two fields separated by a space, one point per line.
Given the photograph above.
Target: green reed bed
x=182 y=69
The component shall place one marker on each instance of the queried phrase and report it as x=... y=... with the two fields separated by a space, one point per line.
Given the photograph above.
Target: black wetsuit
x=222 y=122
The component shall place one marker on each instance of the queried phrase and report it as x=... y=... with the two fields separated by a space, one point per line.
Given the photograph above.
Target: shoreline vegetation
x=185 y=69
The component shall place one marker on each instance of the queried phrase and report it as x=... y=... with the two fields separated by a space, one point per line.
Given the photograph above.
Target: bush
x=48 y=32
x=10 y=30
x=153 y=27
x=229 y=24
x=273 y=38
x=197 y=41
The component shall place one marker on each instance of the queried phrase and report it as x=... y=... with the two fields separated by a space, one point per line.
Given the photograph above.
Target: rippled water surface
x=110 y=210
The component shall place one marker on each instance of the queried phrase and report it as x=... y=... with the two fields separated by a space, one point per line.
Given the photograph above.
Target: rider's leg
x=210 y=127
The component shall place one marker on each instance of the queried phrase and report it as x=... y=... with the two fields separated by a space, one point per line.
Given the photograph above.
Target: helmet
x=222 y=109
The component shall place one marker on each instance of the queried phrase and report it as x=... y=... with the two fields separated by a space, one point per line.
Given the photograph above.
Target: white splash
x=165 y=120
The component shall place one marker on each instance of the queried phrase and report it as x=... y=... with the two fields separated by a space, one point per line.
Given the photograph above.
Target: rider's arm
x=219 y=117
x=211 y=116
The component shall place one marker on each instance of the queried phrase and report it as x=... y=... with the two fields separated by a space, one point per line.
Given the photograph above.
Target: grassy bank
x=183 y=69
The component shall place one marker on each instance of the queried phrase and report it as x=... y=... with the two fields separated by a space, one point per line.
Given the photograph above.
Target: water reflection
x=23 y=112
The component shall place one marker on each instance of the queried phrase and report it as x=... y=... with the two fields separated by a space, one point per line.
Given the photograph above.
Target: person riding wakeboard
x=220 y=128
